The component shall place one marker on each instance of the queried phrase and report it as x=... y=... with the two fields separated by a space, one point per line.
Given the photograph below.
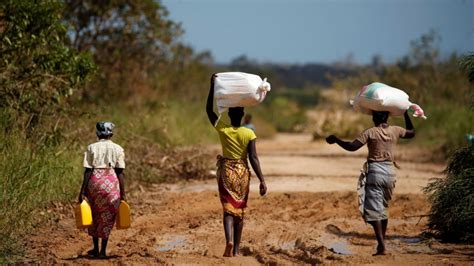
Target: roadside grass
x=30 y=179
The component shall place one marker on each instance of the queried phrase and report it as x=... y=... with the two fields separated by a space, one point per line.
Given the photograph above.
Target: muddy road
x=309 y=216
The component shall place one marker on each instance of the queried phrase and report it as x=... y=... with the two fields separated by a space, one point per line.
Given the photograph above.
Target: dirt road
x=308 y=216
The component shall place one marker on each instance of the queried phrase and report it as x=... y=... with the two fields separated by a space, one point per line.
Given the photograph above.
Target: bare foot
x=380 y=252
x=228 y=249
x=236 y=251
x=102 y=255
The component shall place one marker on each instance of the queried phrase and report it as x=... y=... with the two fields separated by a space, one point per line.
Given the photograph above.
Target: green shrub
x=38 y=70
x=307 y=97
x=263 y=128
x=284 y=114
x=30 y=179
x=188 y=123
x=445 y=128
x=452 y=199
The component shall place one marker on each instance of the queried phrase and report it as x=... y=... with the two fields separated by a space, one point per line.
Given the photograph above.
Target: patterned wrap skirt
x=103 y=193
x=378 y=189
x=233 y=180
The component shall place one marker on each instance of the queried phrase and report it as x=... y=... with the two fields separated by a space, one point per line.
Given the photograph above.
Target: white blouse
x=104 y=154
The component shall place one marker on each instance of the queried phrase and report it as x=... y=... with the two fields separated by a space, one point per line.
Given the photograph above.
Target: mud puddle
x=172 y=243
x=337 y=245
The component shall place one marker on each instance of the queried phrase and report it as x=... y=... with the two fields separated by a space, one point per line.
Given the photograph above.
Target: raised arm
x=210 y=103
x=410 y=133
x=253 y=158
x=346 y=145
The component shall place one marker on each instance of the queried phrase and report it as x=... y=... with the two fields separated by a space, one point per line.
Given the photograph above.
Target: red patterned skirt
x=103 y=192
x=233 y=179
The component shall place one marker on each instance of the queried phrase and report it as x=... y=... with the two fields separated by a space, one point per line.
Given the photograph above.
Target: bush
x=38 y=74
x=285 y=114
x=452 y=211
x=31 y=178
x=307 y=97
x=38 y=71
x=335 y=116
x=345 y=125
x=445 y=128
x=263 y=128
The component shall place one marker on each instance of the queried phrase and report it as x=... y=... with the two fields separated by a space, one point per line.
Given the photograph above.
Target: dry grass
x=150 y=163
x=336 y=116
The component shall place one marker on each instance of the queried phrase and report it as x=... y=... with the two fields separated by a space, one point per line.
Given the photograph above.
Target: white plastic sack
x=234 y=89
x=380 y=97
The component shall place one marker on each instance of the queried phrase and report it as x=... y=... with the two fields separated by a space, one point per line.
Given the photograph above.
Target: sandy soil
x=308 y=216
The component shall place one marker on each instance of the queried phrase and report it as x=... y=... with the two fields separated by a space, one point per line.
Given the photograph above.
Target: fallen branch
x=420 y=215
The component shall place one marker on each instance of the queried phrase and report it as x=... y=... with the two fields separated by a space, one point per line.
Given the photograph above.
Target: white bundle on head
x=238 y=89
x=380 y=97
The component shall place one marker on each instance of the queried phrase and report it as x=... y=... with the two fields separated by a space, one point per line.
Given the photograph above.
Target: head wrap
x=104 y=129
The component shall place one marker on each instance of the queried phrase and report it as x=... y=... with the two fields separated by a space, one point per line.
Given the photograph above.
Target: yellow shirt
x=234 y=140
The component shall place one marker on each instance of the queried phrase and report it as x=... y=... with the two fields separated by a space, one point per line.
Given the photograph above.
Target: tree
x=467 y=63
x=37 y=68
x=424 y=50
x=130 y=40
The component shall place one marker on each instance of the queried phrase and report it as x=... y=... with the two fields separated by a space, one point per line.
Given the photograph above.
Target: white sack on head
x=238 y=89
x=380 y=97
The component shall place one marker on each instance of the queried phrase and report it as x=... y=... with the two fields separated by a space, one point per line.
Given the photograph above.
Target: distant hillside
x=289 y=75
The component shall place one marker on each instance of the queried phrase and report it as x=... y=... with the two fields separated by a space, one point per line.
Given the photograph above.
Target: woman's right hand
x=331 y=139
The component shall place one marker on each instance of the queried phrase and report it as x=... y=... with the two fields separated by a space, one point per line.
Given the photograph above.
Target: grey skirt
x=379 y=185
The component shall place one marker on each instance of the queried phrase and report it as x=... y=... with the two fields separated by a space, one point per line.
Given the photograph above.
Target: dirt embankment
x=308 y=216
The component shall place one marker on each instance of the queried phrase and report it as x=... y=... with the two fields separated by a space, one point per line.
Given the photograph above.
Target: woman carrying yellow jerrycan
x=103 y=185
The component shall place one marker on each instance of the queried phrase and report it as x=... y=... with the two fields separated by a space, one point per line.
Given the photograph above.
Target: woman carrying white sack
x=234 y=90
x=378 y=177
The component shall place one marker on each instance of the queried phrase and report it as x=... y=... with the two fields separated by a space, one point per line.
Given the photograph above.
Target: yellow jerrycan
x=123 y=216
x=83 y=215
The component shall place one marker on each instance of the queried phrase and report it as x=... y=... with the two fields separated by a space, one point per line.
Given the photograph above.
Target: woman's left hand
x=263 y=188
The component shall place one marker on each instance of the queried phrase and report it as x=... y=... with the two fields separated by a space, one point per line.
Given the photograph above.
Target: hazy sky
x=301 y=31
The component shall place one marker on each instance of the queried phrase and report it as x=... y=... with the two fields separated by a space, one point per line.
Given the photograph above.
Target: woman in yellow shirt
x=233 y=173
